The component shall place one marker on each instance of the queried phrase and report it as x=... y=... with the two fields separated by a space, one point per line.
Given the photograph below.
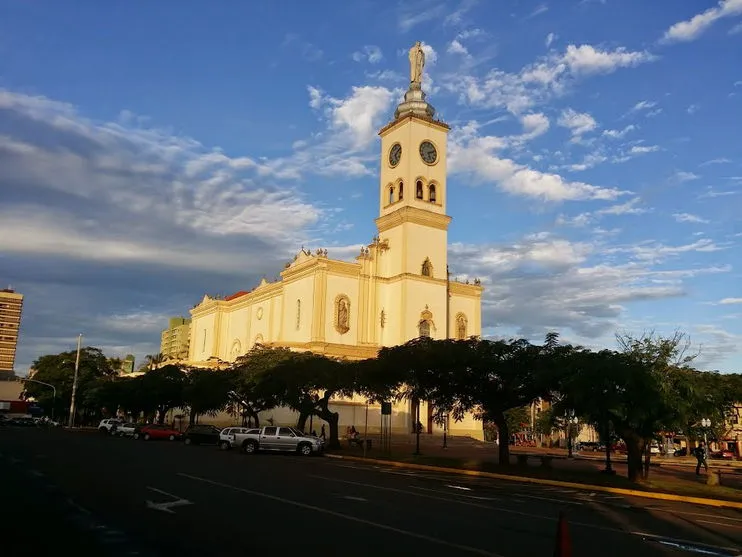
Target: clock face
x=395 y=153
x=428 y=152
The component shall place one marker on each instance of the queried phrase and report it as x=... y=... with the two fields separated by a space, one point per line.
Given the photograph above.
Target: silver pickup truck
x=279 y=439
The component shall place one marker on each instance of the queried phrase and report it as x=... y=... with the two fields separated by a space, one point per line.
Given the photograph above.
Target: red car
x=155 y=431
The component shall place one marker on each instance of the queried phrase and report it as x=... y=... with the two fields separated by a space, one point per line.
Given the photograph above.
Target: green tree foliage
x=59 y=370
x=206 y=391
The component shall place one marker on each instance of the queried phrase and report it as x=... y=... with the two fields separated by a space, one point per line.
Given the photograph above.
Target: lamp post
x=71 y=421
x=445 y=431
x=706 y=423
x=570 y=421
x=52 y=387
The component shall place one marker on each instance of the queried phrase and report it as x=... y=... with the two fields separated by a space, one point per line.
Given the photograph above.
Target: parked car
x=126 y=429
x=156 y=431
x=279 y=439
x=723 y=455
x=108 y=425
x=681 y=452
x=226 y=436
x=201 y=435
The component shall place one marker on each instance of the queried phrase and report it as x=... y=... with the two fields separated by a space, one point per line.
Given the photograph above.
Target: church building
x=397 y=288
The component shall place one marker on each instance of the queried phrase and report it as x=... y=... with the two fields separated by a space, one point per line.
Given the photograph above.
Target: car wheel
x=171 y=438
x=146 y=436
x=103 y=430
x=250 y=447
x=188 y=441
x=136 y=436
x=305 y=449
x=224 y=445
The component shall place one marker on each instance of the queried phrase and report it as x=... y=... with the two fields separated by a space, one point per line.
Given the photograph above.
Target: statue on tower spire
x=417 y=63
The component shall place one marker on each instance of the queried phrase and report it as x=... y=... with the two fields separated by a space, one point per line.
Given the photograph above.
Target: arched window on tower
x=431 y=193
x=427 y=268
x=298 y=314
x=419 y=189
x=391 y=194
x=401 y=191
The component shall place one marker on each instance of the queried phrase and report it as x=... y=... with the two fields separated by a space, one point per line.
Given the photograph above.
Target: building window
x=391 y=194
x=401 y=191
x=298 y=314
x=427 y=268
x=419 y=189
x=431 y=193
x=424 y=328
x=461 y=326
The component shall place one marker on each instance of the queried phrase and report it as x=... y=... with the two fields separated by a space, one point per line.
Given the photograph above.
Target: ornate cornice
x=462 y=289
x=425 y=119
x=413 y=215
x=332 y=350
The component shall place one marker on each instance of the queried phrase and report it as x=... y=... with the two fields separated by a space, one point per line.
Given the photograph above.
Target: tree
x=307 y=382
x=162 y=389
x=250 y=382
x=518 y=418
x=206 y=391
x=59 y=370
x=151 y=361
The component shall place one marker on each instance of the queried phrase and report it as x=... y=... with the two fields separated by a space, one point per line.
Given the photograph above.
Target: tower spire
x=414 y=99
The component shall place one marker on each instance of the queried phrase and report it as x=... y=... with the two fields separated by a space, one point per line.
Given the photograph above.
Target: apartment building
x=11 y=305
x=175 y=340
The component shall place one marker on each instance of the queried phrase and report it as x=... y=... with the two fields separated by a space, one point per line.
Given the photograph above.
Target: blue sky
x=151 y=153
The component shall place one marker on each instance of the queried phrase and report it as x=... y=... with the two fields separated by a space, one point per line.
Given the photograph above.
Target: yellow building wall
x=303 y=290
x=203 y=335
x=470 y=307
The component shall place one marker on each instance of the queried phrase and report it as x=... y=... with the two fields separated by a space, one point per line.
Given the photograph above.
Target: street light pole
x=71 y=421
x=53 y=388
x=445 y=431
x=706 y=423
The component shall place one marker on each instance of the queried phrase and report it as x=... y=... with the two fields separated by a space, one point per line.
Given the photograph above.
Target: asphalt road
x=106 y=496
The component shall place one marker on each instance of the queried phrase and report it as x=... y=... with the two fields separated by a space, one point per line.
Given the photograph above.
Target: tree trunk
x=332 y=419
x=635 y=450
x=503 y=435
x=302 y=421
x=192 y=417
x=647 y=459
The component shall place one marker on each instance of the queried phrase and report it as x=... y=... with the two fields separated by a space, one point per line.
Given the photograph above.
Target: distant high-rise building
x=175 y=340
x=11 y=304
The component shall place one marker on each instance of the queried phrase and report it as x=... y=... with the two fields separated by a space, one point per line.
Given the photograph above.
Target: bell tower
x=412 y=182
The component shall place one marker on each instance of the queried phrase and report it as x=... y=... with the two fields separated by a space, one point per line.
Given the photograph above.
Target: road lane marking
x=458 y=487
x=431 y=539
x=462 y=495
x=725 y=524
x=168 y=505
x=694 y=514
x=351 y=498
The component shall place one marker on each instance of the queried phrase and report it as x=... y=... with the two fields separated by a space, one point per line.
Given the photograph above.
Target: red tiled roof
x=236 y=295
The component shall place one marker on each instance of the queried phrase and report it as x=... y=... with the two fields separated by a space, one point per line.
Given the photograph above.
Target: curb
x=555 y=483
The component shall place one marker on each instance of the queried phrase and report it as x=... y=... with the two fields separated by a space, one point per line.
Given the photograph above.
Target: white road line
x=725 y=524
x=462 y=495
x=694 y=514
x=458 y=487
x=166 y=506
x=560 y=501
x=351 y=498
x=351 y=518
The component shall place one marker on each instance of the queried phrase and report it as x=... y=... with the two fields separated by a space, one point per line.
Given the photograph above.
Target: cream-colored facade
x=174 y=340
x=396 y=289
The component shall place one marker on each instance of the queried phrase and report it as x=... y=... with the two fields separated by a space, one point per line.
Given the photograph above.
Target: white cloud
x=543 y=282
x=470 y=34
x=361 y=113
x=682 y=176
x=729 y=301
x=537 y=82
x=316 y=97
x=455 y=47
x=688 y=217
x=540 y=9
x=534 y=125
x=371 y=53
x=691 y=29
x=643 y=105
x=578 y=123
x=642 y=149
x=617 y=134
x=720 y=160
x=628 y=208
x=550 y=38
x=692 y=109
x=470 y=153
x=736 y=29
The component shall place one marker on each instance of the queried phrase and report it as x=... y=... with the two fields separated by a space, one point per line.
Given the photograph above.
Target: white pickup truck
x=278 y=439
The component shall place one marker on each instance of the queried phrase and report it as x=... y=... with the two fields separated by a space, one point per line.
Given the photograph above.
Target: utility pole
x=71 y=421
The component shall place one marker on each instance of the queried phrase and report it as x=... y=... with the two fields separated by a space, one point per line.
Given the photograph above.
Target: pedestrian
x=322 y=432
x=701 y=458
